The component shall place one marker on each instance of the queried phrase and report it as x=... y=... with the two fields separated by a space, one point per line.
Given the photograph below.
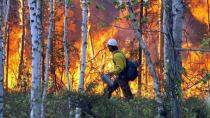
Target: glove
x=110 y=74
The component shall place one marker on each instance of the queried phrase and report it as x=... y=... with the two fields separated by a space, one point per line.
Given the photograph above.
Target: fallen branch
x=191 y=49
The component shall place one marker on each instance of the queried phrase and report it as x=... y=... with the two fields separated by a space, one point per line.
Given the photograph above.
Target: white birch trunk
x=66 y=55
x=35 y=24
x=65 y=44
x=148 y=59
x=1 y=63
x=47 y=58
x=84 y=43
x=6 y=6
x=6 y=14
x=84 y=46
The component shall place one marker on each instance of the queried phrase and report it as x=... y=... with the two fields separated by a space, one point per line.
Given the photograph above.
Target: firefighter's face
x=110 y=48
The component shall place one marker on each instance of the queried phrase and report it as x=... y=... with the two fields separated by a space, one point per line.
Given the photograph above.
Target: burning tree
x=105 y=21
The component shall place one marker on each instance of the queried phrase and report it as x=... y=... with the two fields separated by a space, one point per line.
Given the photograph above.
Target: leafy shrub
x=17 y=105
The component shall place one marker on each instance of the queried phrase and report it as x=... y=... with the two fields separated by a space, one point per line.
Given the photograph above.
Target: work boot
x=107 y=93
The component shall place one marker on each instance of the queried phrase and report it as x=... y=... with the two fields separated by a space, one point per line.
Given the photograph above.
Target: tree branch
x=192 y=49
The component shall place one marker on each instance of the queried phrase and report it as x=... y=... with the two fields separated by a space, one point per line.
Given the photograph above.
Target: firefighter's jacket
x=119 y=62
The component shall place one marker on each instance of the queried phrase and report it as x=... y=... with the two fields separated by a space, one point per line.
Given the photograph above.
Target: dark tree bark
x=21 y=64
x=7 y=60
x=161 y=45
x=140 y=50
x=172 y=28
x=1 y=63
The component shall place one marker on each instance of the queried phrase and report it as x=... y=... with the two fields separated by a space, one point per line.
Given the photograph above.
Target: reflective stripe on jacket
x=119 y=62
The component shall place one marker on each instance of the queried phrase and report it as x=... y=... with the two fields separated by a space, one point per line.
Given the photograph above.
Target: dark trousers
x=121 y=82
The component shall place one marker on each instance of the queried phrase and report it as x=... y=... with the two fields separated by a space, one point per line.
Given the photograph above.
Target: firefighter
x=119 y=61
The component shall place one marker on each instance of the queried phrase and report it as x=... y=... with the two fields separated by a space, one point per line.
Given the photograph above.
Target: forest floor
x=17 y=105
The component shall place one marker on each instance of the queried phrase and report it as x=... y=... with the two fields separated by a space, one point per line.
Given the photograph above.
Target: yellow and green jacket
x=119 y=62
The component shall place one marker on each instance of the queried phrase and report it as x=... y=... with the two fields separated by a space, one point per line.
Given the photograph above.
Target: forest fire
x=200 y=10
x=98 y=58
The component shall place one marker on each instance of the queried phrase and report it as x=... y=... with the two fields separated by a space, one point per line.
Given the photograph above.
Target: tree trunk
x=167 y=29
x=148 y=59
x=52 y=62
x=21 y=64
x=50 y=33
x=140 y=50
x=7 y=62
x=43 y=45
x=161 y=44
x=84 y=43
x=6 y=16
x=35 y=24
x=1 y=63
x=65 y=32
x=84 y=46
x=172 y=28
x=178 y=17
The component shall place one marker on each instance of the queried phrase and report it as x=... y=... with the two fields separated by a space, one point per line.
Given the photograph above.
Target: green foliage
x=118 y=6
x=69 y=2
x=205 y=43
x=195 y=108
x=100 y=7
x=135 y=2
x=88 y=2
x=122 y=6
x=146 y=4
x=101 y=24
x=117 y=18
x=17 y=105
x=206 y=78
x=144 y=20
x=127 y=17
x=116 y=3
x=184 y=71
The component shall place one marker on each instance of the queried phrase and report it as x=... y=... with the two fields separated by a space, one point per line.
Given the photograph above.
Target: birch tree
x=1 y=63
x=66 y=54
x=35 y=24
x=148 y=59
x=6 y=17
x=5 y=12
x=172 y=28
x=50 y=32
x=84 y=46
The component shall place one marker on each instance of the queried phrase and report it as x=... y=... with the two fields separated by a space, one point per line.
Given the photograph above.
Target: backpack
x=131 y=70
